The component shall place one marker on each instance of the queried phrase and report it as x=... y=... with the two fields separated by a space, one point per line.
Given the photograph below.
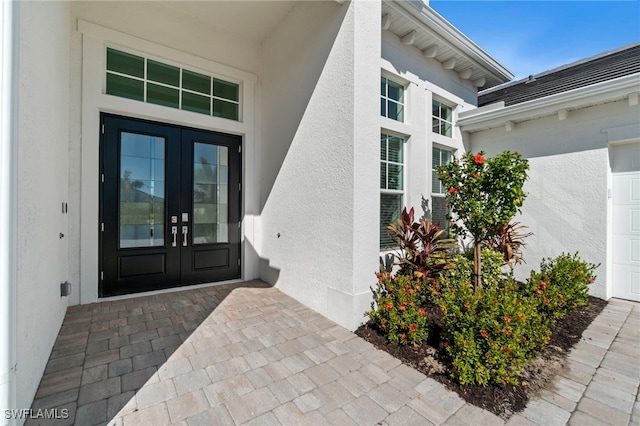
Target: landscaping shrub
x=422 y=250
x=397 y=308
x=485 y=194
x=491 y=332
x=562 y=284
x=509 y=241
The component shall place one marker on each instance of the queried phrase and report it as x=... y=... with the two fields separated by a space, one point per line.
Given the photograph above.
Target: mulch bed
x=502 y=400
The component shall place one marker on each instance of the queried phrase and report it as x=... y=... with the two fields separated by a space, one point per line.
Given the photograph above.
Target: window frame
x=452 y=155
x=442 y=122
x=384 y=246
x=386 y=100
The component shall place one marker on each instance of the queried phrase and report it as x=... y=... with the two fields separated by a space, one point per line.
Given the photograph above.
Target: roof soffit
x=422 y=28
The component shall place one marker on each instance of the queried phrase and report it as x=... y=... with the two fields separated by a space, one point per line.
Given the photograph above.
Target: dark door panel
x=169 y=206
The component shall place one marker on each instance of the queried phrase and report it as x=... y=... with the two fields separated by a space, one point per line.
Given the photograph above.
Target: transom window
x=391 y=99
x=442 y=118
x=391 y=184
x=142 y=79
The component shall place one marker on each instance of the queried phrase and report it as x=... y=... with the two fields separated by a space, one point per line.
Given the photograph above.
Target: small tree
x=485 y=194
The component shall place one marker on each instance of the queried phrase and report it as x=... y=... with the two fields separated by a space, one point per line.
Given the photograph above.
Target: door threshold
x=168 y=290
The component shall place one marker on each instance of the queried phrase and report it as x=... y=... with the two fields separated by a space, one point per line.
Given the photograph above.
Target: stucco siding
x=308 y=223
x=43 y=121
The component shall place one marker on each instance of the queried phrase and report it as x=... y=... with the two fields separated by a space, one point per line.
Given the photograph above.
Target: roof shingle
x=603 y=67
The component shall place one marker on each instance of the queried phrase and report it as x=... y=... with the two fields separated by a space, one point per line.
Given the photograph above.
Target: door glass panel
x=210 y=194
x=142 y=210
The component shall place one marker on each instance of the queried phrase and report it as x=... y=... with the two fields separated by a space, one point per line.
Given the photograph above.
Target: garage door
x=626 y=235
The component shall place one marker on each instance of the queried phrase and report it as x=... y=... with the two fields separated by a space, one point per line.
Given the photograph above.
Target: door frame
x=179 y=259
x=95 y=38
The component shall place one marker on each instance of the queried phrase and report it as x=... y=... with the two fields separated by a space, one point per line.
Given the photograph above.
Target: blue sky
x=529 y=37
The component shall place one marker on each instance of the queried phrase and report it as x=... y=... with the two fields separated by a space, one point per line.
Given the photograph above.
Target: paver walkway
x=249 y=354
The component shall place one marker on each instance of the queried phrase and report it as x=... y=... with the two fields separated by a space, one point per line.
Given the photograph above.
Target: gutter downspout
x=8 y=207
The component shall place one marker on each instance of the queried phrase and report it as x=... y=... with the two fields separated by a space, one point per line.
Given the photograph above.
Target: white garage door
x=626 y=235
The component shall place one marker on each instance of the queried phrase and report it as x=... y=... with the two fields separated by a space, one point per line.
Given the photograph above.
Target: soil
x=502 y=400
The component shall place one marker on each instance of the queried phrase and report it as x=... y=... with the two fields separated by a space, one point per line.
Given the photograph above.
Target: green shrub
x=492 y=263
x=397 y=308
x=562 y=284
x=490 y=332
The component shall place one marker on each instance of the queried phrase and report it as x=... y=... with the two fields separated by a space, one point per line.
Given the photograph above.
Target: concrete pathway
x=249 y=354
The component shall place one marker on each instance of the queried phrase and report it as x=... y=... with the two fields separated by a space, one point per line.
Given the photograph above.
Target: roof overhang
x=497 y=115
x=420 y=26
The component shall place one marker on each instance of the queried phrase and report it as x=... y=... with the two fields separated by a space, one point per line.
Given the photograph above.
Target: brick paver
x=249 y=354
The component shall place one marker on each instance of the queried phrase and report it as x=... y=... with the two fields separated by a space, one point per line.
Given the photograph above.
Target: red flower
x=446 y=344
x=484 y=333
x=452 y=190
x=404 y=336
x=477 y=175
x=402 y=308
x=478 y=158
x=507 y=318
x=413 y=327
x=506 y=350
x=422 y=312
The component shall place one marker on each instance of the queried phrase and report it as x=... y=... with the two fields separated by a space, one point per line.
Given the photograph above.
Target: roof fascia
x=426 y=16
x=490 y=117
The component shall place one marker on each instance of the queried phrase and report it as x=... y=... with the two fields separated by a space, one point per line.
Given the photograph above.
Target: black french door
x=169 y=206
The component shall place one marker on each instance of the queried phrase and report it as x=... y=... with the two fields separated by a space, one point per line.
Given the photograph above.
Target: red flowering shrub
x=562 y=284
x=397 y=308
x=492 y=332
x=484 y=194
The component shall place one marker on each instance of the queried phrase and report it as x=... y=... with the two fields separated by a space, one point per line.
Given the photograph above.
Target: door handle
x=174 y=231
x=185 y=231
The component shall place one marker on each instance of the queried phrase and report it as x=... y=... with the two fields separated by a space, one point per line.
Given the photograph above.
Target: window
x=442 y=118
x=438 y=201
x=391 y=99
x=391 y=184
x=134 y=77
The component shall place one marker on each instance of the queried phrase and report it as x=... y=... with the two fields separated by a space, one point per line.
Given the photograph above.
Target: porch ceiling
x=422 y=28
x=253 y=20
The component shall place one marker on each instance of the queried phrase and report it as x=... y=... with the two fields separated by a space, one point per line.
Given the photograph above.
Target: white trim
x=95 y=39
x=607 y=91
x=8 y=203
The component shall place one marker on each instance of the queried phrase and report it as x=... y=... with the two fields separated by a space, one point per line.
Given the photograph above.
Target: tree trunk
x=477 y=265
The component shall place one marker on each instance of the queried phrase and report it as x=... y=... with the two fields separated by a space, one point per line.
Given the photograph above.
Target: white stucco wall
x=567 y=205
x=43 y=122
x=319 y=156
